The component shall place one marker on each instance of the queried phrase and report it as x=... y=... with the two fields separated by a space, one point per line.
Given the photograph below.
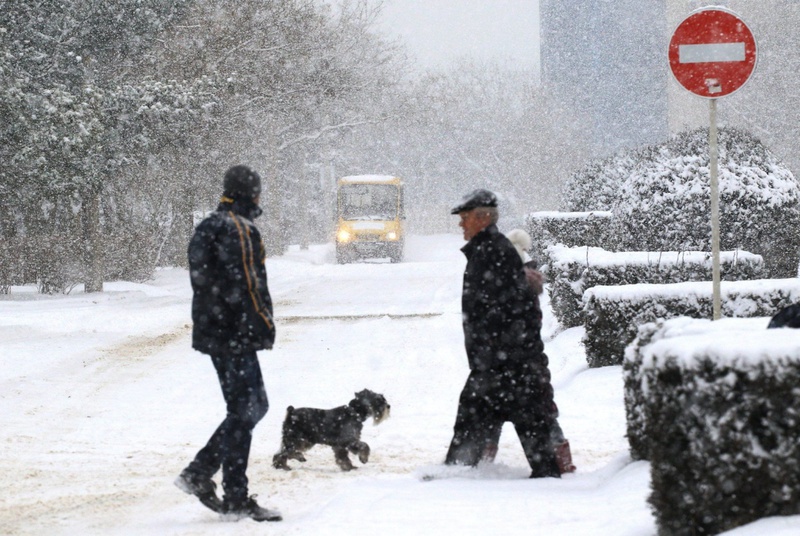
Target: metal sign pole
x=713 y=169
x=712 y=53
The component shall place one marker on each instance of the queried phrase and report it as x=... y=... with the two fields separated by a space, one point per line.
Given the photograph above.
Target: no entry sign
x=712 y=53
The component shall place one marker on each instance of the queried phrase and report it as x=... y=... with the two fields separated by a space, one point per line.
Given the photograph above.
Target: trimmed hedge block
x=567 y=228
x=573 y=270
x=720 y=408
x=634 y=390
x=613 y=314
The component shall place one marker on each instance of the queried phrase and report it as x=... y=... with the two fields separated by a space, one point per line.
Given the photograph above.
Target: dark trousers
x=489 y=399
x=229 y=446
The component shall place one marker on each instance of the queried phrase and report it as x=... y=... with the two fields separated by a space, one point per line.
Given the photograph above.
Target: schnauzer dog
x=339 y=428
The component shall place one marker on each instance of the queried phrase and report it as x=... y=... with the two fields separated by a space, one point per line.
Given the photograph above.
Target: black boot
x=201 y=487
x=540 y=454
x=236 y=510
x=543 y=465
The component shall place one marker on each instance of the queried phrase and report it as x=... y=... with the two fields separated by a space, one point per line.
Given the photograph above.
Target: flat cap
x=475 y=199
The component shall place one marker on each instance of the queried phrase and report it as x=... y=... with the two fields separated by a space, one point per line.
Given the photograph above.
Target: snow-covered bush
x=566 y=228
x=722 y=412
x=612 y=315
x=597 y=186
x=11 y=270
x=573 y=270
x=54 y=262
x=665 y=204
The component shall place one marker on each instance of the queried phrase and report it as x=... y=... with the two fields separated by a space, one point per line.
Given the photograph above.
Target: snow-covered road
x=104 y=402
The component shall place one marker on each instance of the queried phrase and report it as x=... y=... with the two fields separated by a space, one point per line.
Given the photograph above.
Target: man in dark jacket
x=232 y=315
x=509 y=379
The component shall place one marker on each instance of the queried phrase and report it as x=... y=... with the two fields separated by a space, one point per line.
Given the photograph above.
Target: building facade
x=606 y=62
x=603 y=60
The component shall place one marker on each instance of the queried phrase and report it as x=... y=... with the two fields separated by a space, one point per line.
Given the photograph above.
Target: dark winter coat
x=501 y=322
x=231 y=305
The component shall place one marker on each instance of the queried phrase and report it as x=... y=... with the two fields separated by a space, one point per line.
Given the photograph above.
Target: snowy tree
x=665 y=204
x=475 y=125
x=299 y=73
x=78 y=114
x=503 y=133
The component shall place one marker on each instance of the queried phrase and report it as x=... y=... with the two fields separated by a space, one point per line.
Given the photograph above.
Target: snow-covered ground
x=104 y=402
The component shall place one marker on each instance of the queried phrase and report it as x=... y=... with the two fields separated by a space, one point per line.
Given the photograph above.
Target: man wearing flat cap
x=509 y=379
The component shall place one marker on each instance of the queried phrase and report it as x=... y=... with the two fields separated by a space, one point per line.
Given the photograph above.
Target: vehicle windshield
x=368 y=202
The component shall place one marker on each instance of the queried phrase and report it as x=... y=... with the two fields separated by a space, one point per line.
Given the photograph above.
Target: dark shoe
x=201 y=487
x=249 y=508
x=547 y=474
x=546 y=468
x=466 y=453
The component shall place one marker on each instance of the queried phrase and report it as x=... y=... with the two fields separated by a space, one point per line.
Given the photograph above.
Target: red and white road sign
x=712 y=53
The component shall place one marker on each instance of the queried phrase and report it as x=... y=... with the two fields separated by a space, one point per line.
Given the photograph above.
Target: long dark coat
x=231 y=305
x=501 y=321
x=509 y=380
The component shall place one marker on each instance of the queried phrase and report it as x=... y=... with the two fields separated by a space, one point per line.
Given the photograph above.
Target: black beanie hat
x=241 y=182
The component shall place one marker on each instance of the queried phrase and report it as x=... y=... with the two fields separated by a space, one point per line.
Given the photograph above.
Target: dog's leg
x=291 y=449
x=342 y=459
x=296 y=449
x=361 y=449
x=279 y=461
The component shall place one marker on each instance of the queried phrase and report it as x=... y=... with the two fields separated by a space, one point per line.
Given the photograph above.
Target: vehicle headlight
x=391 y=235
x=344 y=235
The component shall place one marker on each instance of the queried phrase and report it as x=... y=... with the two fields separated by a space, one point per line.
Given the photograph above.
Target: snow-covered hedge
x=573 y=270
x=566 y=228
x=634 y=389
x=722 y=410
x=612 y=315
x=665 y=203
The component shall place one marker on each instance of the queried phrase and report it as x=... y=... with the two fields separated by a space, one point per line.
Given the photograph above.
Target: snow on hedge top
x=735 y=342
x=369 y=178
x=593 y=256
x=685 y=326
x=645 y=291
x=556 y=215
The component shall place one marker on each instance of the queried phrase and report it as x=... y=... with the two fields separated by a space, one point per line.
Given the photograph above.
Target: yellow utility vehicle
x=370 y=218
